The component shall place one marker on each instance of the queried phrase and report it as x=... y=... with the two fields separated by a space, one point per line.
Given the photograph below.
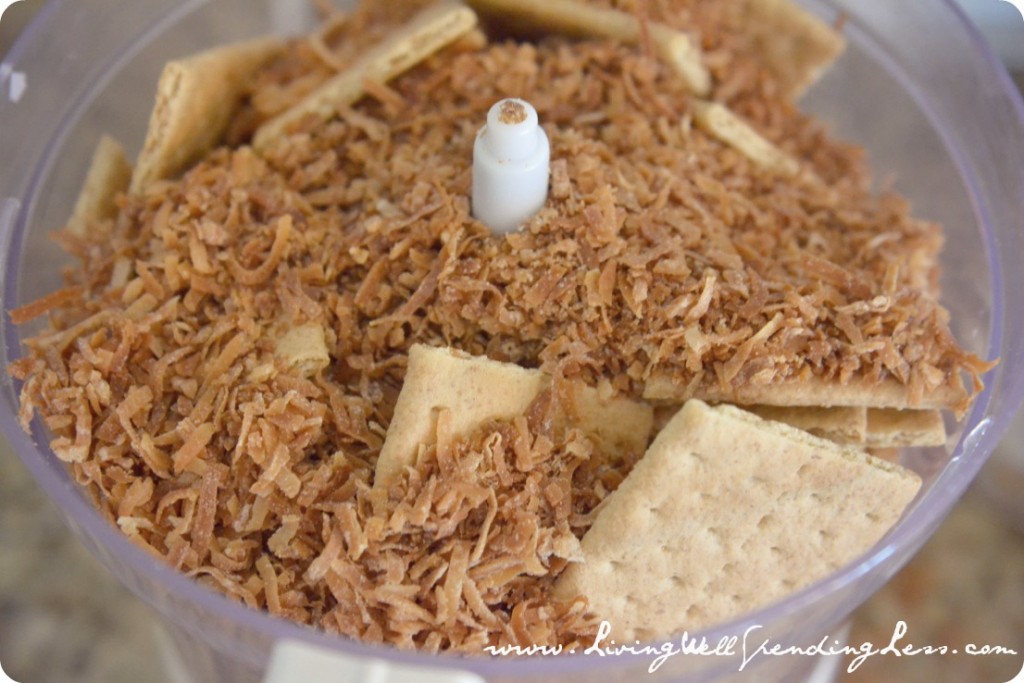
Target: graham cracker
x=195 y=100
x=617 y=424
x=725 y=514
x=899 y=428
x=888 y=454
x=882 y=428
x=304 y=348
x=108 y=175
x=843 y=425
x=427 y=32
x=722 y=124
x=793 y=44
x=813 y=391
x=573 y=18
x=477 y=389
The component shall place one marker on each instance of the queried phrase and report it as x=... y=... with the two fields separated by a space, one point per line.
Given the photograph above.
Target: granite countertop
x=63 y=618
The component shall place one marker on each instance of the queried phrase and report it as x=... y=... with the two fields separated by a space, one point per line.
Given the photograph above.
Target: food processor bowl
x=917 y=87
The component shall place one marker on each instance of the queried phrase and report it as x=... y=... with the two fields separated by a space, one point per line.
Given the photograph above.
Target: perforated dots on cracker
x=727 y=513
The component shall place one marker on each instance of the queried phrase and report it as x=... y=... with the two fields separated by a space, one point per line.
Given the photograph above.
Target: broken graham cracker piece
x=574 y=18
x=727 y=513
x=844 y=424
x=427 y=32
x=476 y=389
x=792 y=44
x=899 y=428
x=109 y=174
x=888 y=454
x=195 y=100
x=618 y=424
x=723 y=125
x=303 y=348
x=813 y=391
x=869 y=427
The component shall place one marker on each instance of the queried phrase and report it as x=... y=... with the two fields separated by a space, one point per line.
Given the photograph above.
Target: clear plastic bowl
x=918 y=88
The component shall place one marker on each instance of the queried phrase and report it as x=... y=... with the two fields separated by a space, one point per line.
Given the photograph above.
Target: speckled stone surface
x=62 y=616
x=965 y=586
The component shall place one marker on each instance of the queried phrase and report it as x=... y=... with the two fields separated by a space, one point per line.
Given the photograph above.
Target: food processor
x=917 y=87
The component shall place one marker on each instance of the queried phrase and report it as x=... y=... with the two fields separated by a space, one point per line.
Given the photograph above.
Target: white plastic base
x=294 y=662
